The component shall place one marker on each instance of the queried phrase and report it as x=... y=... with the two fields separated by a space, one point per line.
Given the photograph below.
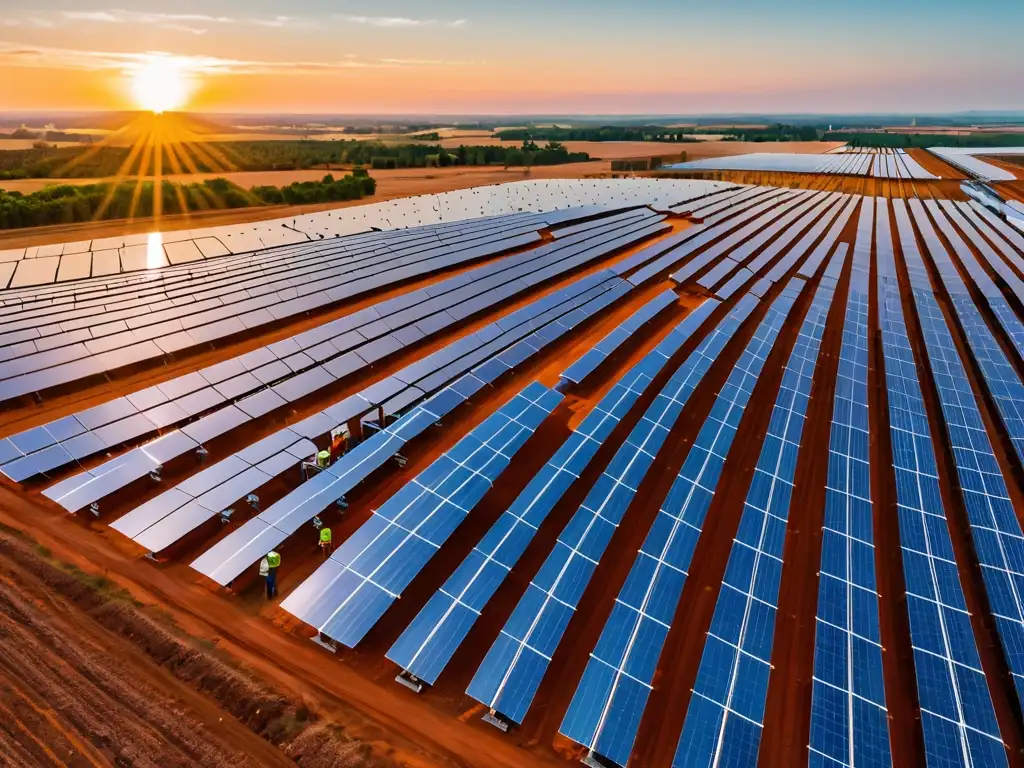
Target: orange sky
x=568 y=57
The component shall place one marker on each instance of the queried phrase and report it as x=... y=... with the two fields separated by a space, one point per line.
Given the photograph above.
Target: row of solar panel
x=781 y=162
x=129 y=341
x=849 y=720
x=158 y=334
x=726 y=713
x=957 y=715
x=790 y=225
x=177 y=280
x=606 y=709
x=101 y=323
x=511 y=672
x=318 y=356
x=754 y=219
x=162 y=521
x=349 y=593
x=812 y=223
x=32 y=270
x=588 y=362
x=213 y=563
x=430 y=641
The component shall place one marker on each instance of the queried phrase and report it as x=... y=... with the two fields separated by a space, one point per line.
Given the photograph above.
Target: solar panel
x=849 y=720
x=430 y=641
x=957 y=714
x=606 y=709
x=508 y=678
x=725 y=715
x=588 y=362
x=372 y=568
x=997 y=372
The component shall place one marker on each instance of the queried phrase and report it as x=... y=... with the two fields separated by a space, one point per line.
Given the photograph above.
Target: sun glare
x=160 y=85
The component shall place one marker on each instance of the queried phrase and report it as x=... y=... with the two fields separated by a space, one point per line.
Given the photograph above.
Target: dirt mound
x=86 y=678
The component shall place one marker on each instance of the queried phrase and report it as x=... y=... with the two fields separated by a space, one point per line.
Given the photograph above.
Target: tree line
x=924 y=140
x=71 y=204
x=603 y=133
x=101 y=162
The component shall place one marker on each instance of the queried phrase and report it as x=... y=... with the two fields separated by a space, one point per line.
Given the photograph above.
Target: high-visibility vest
x=323 y=458
x=273 y=559
x=325 y=535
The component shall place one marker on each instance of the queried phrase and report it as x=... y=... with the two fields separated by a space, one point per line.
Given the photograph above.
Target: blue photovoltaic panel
x=849 y=719
x=429 y=642
x=605 y=712
x=508 y=678
x=957 y=715
x=346 y=596
x=724 y=720
x=590 y=360
x=1002 y=380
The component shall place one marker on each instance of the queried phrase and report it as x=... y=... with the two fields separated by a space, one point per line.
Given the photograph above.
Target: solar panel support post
x=496 y=720
x=325 y=642
x=410 y=681
x=591 y=760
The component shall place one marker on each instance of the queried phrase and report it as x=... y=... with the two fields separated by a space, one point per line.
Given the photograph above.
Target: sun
x=160 y=84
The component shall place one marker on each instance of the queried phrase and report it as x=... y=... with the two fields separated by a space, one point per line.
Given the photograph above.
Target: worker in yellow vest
x=325 y=541
x=323 y=459
x=268 y=569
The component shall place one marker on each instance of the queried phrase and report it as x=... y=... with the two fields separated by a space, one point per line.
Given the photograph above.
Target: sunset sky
x=537 y=56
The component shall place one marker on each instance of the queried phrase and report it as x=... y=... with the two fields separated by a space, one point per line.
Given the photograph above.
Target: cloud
x=35 y=22
x=398 y=21
x=14 y=54
x=119 y=16
x=184 y=28
x=199 y=23
x=99 y=16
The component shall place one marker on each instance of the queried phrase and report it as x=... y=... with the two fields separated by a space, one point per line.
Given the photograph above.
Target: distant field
x=616 y=150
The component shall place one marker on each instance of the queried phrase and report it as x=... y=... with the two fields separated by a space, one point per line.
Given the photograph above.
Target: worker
x=323 y=459
x=339 y=445
x=325 y=541
x=273 y=563
x=265 y=573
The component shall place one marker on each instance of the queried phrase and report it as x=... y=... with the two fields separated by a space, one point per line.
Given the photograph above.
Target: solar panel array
x=295 y=367
x=742 y=245
x=606 y=709
x=427 y=645
x=849 y=720
x=1003 y=382
x=349 y=593
x=957 y=716
x=883 y=163
x=65 y=265
x=726 y=712
x=510 y=674
x=592 y=358
x=967 y=160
